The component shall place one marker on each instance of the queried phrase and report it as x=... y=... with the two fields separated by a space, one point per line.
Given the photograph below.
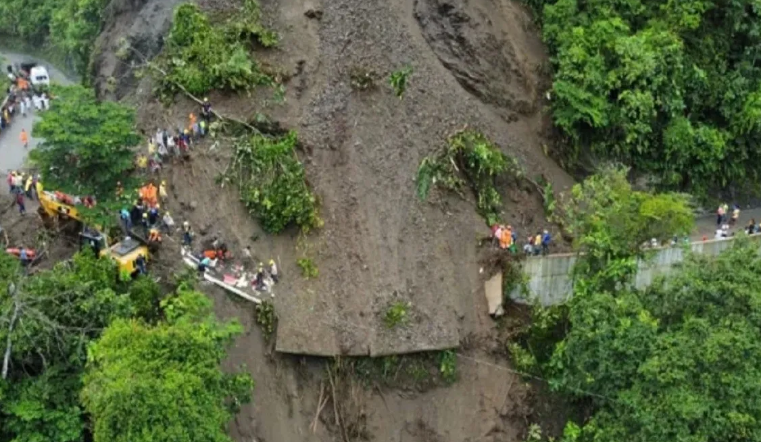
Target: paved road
x=12 y=152
x=706 y=226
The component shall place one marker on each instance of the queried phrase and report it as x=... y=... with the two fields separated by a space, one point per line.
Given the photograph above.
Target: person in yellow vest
x=28 y=187
x=162 y=191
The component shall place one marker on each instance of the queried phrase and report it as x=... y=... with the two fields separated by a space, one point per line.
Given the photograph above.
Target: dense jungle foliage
x=61 y=330
x=70 y=26
x=677 y=361
x=672 y=88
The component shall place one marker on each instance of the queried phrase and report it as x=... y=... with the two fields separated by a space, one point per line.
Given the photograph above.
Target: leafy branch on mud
x=272 y=182
x=266 y=318
x=399 y=79
x=469 y=159
x=202 y=56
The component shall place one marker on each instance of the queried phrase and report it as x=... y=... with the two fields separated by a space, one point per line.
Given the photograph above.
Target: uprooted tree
x=469 y=159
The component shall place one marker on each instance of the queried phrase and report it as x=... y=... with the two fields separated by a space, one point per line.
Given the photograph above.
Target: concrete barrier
x=550 y=278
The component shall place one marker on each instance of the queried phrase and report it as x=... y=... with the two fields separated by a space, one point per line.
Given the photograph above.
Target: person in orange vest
x=192 y=119
x=506 y=239
x=154 y=235
x=24 y=138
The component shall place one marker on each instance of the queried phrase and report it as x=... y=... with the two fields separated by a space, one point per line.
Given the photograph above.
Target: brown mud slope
x=475 y=63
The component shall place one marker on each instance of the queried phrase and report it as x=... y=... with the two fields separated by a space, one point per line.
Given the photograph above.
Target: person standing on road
x=28 y=187
x=546 y=238
x=719 y=215
x=735 y=215
x=22 y=106
x=24 y=138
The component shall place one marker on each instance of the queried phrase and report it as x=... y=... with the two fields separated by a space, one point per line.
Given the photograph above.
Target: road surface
x=12 y=152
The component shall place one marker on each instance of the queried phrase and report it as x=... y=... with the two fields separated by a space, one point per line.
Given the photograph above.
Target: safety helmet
x=186 y=224
x=158 y=206
x=145 y=215
x=163 y=183
x=205 y=99
x=272 y=261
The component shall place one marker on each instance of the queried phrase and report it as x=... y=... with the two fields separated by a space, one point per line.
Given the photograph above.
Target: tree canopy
x=163 y=383
x=672 y=88
x=70 y=26
x=86 y=147
x=678 y=361
x=48 y=320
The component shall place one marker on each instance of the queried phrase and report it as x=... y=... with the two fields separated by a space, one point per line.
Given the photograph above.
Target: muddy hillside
x=477 y=63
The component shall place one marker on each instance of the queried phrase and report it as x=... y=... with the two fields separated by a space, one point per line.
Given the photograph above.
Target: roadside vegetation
x=675 y=361
x=88 y=356
x=68 y=26
x=87 y=150
x=670 y=88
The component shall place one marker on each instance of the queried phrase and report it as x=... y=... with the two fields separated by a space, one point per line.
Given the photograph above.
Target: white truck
x=38 y=76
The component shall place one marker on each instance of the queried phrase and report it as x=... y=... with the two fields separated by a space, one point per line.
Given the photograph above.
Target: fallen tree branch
x=182 y=88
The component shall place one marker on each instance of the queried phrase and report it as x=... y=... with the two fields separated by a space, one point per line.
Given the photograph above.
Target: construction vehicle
x=57 y=205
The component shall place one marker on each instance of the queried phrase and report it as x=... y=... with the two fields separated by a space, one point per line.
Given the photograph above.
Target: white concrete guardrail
x=550 y=278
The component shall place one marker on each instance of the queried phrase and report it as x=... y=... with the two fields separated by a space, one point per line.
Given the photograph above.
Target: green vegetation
x=399 y=79
x=201 y=56
x=70 y=26
x=671 y=88
x=470 y=158
x=164 y=382
x=419 y=371
x=362 y=79
x=87 y=143
x=49 y=320
x=397 y=314
x=308 y=268
x=272 y=183
x=609 y=220
x=448 y=366
x=676 y=361
x=266 y=318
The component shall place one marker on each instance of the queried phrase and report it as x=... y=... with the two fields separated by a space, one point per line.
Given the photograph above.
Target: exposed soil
x=475 y=63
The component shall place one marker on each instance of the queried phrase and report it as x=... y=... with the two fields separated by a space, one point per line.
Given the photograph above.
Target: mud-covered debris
x=314 y=13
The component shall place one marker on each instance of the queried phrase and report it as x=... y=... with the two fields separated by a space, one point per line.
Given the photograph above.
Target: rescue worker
x=506 y=238
x=259 y=278
x=187 y=234
x=140 y=264
x=28 y=187
x=20 y=202
x=167 y=223
x=206 y=110
x=24 y=138
x=23 y=257
x=144 y=222
x=154 y=235
x=538 y=244
x=153 y=215
x=125 y=217
x=203 y=265
x=546 y=238
x=192 y=120
x=162 y=191
x=119 y=189
x=273 y=270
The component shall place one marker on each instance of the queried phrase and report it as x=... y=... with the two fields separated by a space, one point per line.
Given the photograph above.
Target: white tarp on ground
x=493 y=290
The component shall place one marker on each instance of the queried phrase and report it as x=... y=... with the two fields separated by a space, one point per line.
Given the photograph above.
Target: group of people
x=21 y=99
x=22 y=185
x=146 y=213
x=165 y=144
x=506 y=238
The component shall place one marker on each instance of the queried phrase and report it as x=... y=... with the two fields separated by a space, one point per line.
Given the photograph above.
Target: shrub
x=448 y=366
x=272 y=183
x=398 y=80
x=266 y=318
x=397 y=314
x=201 y=56
x=308 y=268
x=469 y=158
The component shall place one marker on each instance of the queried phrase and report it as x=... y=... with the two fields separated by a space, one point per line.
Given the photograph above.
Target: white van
x=38 y=75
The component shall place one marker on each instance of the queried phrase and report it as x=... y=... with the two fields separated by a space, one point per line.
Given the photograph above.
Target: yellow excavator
x=56 y=205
